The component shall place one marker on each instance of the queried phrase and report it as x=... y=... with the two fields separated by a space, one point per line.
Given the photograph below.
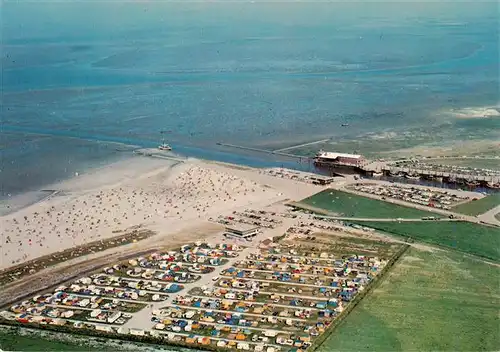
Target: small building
x=113 y=317
x=242 y=230
x=104 y=328
x=137 y=332
x=84 y=302
x=322 y=180
x=68 y=314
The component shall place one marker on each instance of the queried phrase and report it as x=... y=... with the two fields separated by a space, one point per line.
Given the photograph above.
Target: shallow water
x=24 y=339
x=83 y=81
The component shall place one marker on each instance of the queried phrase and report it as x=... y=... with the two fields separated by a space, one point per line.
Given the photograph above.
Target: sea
x=84 y=83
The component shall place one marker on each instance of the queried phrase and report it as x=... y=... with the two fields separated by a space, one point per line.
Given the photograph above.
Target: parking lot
x=431 y=197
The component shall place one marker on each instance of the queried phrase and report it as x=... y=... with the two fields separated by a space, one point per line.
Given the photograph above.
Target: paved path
x=155 y=272
x=489 y=216
x=62 y=306
x=345 y=218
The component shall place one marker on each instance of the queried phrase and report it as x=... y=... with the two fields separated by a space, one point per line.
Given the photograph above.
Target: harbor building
x=323 y=158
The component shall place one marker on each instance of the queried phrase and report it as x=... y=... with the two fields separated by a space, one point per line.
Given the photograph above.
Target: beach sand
x=161 y=195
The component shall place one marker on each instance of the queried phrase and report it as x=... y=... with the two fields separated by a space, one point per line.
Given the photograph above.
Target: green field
x=471 y=238
x=480 y=206
x=351 y=205
x=17 y=342
x=439 y=301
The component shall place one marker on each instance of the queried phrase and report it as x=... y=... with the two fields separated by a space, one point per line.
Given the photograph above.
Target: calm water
x=83 y=82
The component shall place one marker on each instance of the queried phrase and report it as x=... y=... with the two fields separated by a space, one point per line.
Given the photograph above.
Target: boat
x=377 y=174
x=412 y=176
x=164 y=146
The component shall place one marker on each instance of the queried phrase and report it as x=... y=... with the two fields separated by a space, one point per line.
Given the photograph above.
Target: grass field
x=440 y=301
x=351 y=205
x=471 y=238
x=11 y=342
x=480 y=206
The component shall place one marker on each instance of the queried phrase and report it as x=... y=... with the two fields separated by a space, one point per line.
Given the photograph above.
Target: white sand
x=140 y=191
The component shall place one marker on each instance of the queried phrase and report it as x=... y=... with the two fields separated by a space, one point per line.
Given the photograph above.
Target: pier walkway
x=302 y=145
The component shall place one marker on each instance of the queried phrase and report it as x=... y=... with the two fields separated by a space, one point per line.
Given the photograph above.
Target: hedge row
x=378 y=279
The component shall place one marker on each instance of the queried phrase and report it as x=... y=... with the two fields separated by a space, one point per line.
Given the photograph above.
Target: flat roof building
x=242 y=230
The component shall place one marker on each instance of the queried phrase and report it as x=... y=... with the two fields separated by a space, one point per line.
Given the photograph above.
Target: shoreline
x=18 y=202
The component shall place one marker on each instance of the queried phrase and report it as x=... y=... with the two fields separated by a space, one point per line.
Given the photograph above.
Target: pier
x=258 y=150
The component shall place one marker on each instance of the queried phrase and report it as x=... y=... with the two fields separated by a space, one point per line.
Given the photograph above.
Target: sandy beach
x=161 y=195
